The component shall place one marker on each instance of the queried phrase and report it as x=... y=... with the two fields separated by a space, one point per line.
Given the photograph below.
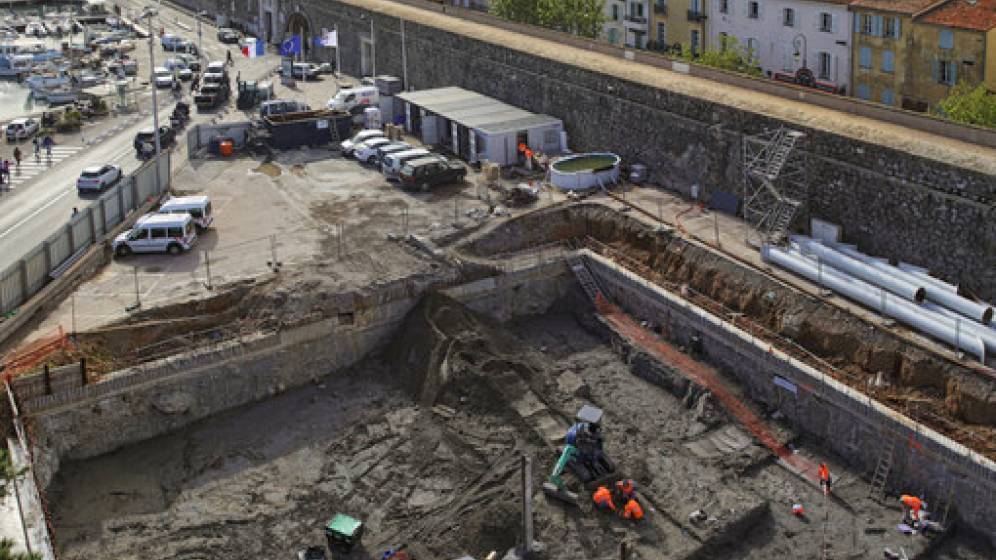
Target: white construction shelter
x=476 y=127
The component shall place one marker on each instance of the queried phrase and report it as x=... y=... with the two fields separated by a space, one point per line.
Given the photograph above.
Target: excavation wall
x=165 y=395
x=928 y=211
x=852 y=425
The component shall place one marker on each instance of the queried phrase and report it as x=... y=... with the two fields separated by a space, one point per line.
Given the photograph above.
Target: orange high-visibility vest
x=911 y=502
x=824 y=473
x=626 y=487
x=633 y=510
x=603 y=498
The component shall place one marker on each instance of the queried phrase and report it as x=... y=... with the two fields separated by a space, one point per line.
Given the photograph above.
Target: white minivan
x=199 y=208
x=392 y=163
x=348 y=98
x=157 y=233
x=348 y=146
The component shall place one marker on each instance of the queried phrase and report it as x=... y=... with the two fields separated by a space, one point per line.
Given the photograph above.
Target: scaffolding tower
x=776 y=184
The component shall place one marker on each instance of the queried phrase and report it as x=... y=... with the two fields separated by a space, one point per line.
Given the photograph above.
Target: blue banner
x=291 y=46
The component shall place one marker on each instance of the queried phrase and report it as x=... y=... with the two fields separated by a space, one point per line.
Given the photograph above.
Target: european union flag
x=291 y=46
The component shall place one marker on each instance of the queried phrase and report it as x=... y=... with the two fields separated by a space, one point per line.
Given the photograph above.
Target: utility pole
x=155 y=103
x=404 y=59
x=373 y=48
x=200 y=42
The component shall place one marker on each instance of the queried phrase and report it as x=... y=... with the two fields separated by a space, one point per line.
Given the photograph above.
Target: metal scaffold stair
x=784 y=214
x=779 y=153
x=882 y=469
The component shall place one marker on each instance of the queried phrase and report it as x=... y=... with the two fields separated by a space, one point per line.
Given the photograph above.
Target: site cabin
x=476 y=127
x=199 y=208
x=343 y=532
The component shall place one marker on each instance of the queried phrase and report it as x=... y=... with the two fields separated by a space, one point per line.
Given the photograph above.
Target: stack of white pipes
x=912 y=298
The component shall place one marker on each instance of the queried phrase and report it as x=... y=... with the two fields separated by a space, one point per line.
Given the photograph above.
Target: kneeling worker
x=603 y=499
x=626 y=489
x=633 y=510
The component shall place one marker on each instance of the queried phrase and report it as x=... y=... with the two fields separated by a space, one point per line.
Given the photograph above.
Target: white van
x=157 y=233
x=392 y=163
x=349 y=98
x=199 y=208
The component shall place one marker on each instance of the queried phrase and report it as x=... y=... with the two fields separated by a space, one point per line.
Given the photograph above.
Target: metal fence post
x=93 y=225
x=121 y=204
x=47 y=250
x=69 y=233
x=134 y=195
x=23 y=273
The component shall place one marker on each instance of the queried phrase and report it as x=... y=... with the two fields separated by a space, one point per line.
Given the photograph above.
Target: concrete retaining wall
x=850 y=423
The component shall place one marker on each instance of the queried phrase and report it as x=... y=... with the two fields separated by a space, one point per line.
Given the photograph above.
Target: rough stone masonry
x=915 y=198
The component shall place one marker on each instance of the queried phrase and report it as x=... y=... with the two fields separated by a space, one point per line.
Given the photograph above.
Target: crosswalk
x=31 y=167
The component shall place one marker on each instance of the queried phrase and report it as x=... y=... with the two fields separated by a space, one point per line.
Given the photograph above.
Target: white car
x=347 y=146
x=163 y=77
x=20 y=129
x=367 y=151
x=98 y=177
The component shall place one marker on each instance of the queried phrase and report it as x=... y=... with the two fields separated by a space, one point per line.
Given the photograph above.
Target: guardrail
x=50 y=259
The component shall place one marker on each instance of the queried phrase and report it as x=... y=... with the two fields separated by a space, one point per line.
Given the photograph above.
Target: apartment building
x=953 y=42
x=636 y=23
x=659 y=36
x=801 y=41
x=615 y=13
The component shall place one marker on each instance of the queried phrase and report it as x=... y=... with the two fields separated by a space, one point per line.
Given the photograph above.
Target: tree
x=8 y=474
x=7 y=553
x=730 y=57
x=970 y=105
x=580 y=17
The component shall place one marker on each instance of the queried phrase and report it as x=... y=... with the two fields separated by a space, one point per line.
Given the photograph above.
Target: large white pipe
x=868 y=273
x=923 y=273
x=963 y=325
x=943 y=295
x=906 y=312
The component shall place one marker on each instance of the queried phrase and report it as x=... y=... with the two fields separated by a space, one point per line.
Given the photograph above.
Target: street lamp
x=150 y=13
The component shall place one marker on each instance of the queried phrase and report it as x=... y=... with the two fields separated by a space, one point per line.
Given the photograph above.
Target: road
x=44 y=195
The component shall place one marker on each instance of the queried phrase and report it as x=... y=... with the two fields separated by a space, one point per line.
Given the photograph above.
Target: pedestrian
x=626 y=489
x=17 y=157
x=911 y=509
x=228 y=58
x=34 y=141
x=633 y=510
x=47 y=143
x=75 y=211
x=603 y=499
x=825 y=479
x=6 y=168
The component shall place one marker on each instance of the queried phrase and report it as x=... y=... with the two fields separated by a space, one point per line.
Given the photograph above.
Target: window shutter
x=857 y=24
x=877 y=26
x=834 y=23
x=898 y=33
x=954 y=73
x=935 y=70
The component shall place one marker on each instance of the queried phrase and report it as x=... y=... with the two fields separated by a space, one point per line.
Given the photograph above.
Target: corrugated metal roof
x=473 y=110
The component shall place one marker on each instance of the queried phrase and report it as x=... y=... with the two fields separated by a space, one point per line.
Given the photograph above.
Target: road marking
x=36 y=212
x=31 y=167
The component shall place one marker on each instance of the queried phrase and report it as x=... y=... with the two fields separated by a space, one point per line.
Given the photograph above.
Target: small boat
x=48 y=80
x=60 y=96
x=15 y=65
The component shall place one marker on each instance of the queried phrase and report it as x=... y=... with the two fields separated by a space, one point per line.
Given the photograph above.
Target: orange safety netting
x=706 y=377
x=33 y=353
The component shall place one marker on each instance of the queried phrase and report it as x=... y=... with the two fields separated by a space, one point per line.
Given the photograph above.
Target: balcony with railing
x=660 y=8
x=633 y=18
x=696 y=15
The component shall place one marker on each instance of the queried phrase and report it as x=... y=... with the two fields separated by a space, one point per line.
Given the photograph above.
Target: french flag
x=253 y=47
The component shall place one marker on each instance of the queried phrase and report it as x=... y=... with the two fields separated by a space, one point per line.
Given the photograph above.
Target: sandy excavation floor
x=429 y=455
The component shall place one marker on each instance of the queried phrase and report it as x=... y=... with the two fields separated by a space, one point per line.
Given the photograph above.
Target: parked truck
x=212 y=95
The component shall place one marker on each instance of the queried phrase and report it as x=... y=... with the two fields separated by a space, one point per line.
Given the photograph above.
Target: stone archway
x=300 y=24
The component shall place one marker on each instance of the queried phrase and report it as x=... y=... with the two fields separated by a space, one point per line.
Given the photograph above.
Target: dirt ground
x=424 y=442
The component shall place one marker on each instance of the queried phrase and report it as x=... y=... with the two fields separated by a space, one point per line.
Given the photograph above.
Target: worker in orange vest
x=911 y=508
x=603 y=499
x=626 y=489
x=825 y=479
x=633 y=510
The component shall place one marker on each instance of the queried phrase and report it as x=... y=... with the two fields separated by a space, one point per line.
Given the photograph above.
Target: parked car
x=198 y=206
x=347 y=146
x=305 y=71
x=157 y=233
x=392 y=163
x=391 y=148
x=228 y=35
x=170 y=42
x=212 y=95
x=217 y=67
x=126 y=66
x=281 y=106
x=163 y=77
x=20 y=129
x=192 y=61
x=366 y=151
x=98 y=177
x=430 y=171
x=179 y=68
x=148 y=136
x=188 y=47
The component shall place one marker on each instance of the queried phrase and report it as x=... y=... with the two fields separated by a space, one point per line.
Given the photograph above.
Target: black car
x=229 y=36
x=181 y=46
x=212 y=95
x=148 y=136
x=429 y=171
